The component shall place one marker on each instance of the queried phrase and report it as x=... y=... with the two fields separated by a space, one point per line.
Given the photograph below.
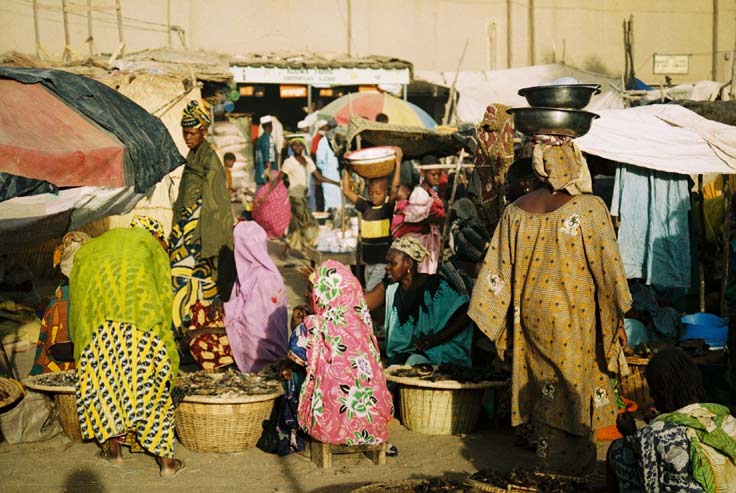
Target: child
x=423 y=215
x=375 y=222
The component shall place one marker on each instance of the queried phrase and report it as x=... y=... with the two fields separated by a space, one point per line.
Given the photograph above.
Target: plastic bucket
x=711 y=328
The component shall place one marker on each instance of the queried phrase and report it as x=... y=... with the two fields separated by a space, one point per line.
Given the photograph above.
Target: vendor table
x=347 y=258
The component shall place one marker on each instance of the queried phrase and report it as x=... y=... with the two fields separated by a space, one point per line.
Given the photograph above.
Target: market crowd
x=545 y=296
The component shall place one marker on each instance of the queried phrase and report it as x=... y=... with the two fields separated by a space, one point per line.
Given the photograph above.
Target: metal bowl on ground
x=552 y=121
x=570 y=96
x=372 y=162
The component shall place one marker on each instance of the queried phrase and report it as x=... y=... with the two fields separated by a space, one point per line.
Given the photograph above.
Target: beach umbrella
x=72 y=131
x=368 y=105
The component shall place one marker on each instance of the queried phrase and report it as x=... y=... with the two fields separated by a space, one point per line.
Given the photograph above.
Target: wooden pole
x=726 y=253
x=67 y=37
x=732 y=91
x=451 y=98
x=350 y=28
x=701 y=242
x=530 y=17
x=121 y=38
x=714 y=59
x=168 y=21
x=36 y=29
x=90 y=37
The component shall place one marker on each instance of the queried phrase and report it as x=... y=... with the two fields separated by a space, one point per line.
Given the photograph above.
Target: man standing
x=229 y=161
x=267 y=155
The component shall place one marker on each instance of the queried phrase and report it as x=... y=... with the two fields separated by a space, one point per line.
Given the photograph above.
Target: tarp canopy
x=149 y=152
x=479 y=89
x=663 y=137
x=415 y=142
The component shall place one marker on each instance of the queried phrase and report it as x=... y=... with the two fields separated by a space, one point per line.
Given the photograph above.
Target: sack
x=34 y=419
x=269 y=441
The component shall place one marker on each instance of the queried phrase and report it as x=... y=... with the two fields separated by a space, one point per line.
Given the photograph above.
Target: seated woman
x=123 y=345
x=256 y=316
x=342 y=394
x=426 y=318
x=689 y=448
x=55 y=320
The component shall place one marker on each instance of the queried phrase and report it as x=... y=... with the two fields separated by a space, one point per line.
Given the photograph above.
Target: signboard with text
x=332 y=76
x=671 y=64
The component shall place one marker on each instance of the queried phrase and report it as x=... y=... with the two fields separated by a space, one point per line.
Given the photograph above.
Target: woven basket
x=634 y=386
x=372 y=162
x=223 y=425
x=12 y=388
x=66 y=403
x=407 y=486
x=444 y=407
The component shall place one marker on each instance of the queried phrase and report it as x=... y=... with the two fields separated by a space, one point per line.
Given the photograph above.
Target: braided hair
x=674 y=380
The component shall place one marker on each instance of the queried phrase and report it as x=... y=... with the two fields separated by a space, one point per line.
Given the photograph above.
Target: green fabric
x=717 y=438
x=204 y=176
x=122 y=276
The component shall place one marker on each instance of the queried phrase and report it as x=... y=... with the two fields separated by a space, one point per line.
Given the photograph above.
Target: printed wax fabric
x=654 y=236
x=54 y=329
x=552 y=295
x=493 y=157
x=210 y=350
x=344 y=399
x=421 y=205
x=124 y=378
x=558 y=162
x=256 y=316
x=122 y=276
x=204 y=180
x=274 y=213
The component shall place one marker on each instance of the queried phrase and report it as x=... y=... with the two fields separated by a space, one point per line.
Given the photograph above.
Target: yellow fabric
x=562 y=166
x=375 y=229
x=554 y=275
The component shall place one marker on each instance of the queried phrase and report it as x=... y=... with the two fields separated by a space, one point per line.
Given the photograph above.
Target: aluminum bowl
x=572 y=96
x=552 y=121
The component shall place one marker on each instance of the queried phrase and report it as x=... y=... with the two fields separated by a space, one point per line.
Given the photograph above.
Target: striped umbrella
x=368 y=105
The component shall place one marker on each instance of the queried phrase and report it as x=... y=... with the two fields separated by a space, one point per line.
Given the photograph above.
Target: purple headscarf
x=256 y=315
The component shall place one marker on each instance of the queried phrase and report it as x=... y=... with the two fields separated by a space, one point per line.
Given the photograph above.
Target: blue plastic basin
x=711 y=328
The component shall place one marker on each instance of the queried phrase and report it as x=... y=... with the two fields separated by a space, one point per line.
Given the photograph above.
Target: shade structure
x=368 y=105
x=43 y=138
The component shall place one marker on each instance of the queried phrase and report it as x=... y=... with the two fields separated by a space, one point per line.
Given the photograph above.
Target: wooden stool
x=321 y=453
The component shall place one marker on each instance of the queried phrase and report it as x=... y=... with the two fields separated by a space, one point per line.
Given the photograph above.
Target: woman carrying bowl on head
x=303 y=228
x=426 y=319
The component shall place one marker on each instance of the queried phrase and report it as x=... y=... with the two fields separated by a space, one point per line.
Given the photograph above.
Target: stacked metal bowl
x=556 y=110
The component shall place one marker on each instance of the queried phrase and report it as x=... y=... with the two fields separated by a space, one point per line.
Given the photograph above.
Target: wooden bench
x=321 y=453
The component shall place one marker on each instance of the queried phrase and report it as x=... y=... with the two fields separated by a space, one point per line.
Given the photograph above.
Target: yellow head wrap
x=559 y=162
x=411 y=247
x=194 y=116
x=152 y=226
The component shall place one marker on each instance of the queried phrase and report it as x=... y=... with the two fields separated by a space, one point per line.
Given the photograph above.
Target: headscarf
x=195 y=116
x=344 y=398
x=411 y=247
x=64 y=253
x=151 y=225
x=256 y=314
x=558 y=162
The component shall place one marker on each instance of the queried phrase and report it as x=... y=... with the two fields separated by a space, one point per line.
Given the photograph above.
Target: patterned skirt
x=123 y=390
x=192 y=277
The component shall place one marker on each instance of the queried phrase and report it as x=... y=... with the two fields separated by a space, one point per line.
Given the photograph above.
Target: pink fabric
x=256 y=315
x=344 y=399
x=420 y=207
x=274 y=213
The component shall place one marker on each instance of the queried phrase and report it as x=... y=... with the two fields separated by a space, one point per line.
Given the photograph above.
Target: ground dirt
x=60 y=465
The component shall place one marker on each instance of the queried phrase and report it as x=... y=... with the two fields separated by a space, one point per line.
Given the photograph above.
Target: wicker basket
x=634 y=386
x=12 y=388
x=372 y=162
x=212 y=424
x=445 y=407
x=66 y=403
x=407 y=486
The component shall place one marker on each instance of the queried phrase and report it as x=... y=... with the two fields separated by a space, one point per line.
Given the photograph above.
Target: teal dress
x=425 y=312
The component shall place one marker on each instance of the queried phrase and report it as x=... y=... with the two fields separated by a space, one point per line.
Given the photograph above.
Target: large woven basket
x=13 y=390
x=372 y=162
x=634 y=386
x=66 y=402
x=445 y=407
x=213 y=424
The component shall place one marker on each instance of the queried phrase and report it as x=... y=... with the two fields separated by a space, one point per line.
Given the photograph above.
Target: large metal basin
x=571 y=96
x=552 y=121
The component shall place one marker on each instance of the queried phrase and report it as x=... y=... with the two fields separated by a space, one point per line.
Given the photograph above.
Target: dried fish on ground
x=533 y=480
x=57 y=379
x=449 y=372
